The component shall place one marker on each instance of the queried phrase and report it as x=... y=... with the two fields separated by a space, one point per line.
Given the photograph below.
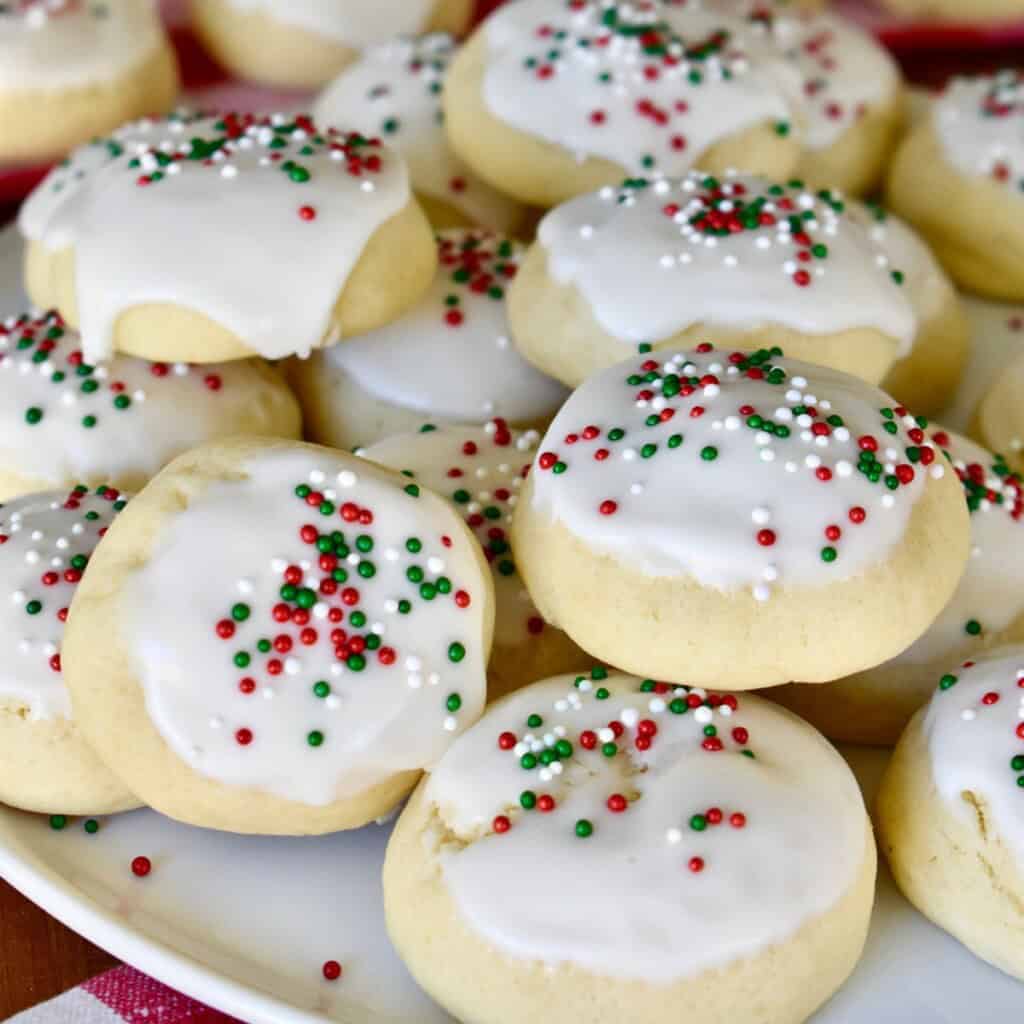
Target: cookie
x=394 y=91
x=660 y=264
x=602 y=844
x=73 y=69
x=449 y=360
x=46 y=541
x=999 y=420
x=741 y=518
x=957 y=178
x=957 y=11
x=305 y=43
x=986 y=611
x=278 y=638
x=547 y=101
x=481 y=470
x=63 y=420
x=949 y=808
x=274 y=238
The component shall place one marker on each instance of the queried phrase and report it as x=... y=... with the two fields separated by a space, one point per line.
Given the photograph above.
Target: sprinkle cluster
x=476 y=262
x=36 y=13
x=1003 y=100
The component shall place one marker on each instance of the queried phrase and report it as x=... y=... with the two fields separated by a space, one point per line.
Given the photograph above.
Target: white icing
x=46 y=45
x=980 y=124
x=124 y=420
x=356 y=23
x=647 y=271
x=674 y=511
x=991 y=591
x=972 y=742
x=394 y=91
x=40 y=538
x=597 y=93
x=481 y=471
x=225 y=234
x=236 y=542
x=622 y=902
x=454 y=360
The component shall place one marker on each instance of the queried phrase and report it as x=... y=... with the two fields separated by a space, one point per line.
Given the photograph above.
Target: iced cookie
x=738 y=518
x=277 y=638
x=949 y=810
x=63 y=420
x=46 y=541
x=481 y=470
x=549 y=100
x=999 y=420
x=631 y=851
x=958 y=179
x=660 y=264
x=449 y=360
x=394 y=91
x=72 y=69
x=275 y=238
x=305 y=43
x=987 y=610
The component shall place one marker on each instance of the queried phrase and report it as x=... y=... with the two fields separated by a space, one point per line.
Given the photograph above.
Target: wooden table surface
x=39 y=958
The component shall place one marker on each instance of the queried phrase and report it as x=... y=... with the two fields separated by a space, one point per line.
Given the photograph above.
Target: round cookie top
x=452 y=355
x=63 y=419
x=653 y=258
x=46 y=541
x=976 y=742
x=356 y=23
x=738 y=470
x=58 y=44
x=622 y=826
x=649 y=86
x=250 y=212
x=480 y=470
x=980 y=123
x=394 y=91
x=991 y=592
x=339 y=634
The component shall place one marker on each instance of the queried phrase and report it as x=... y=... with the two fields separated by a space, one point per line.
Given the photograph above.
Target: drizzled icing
x=654 y=258
x=980 y=123
x=451 y=356
x=339 y=634
x=739 y=471
x=63 y=419
x=974 y=728
x=481 y=471
x=648 y=85
x=273 y=209
x=394 y=91
x=357 y=23
x=57 y=44
x=991 y=592
x=46 y=541
x=644 y=831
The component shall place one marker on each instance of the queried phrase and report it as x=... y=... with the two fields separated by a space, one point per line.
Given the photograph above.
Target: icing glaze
x=654 y=258
x=46 y=541
x=249 y=213
x=616 y=825
x=451 y=356
x=62 y=419
x=357 y=23
x=394 y=91
x=738 y=471
x=980 y=124
x=340 y=634
x=480 y=470
x=48 y=45
x=976 y=742
x=991 y=592
x=648 y=85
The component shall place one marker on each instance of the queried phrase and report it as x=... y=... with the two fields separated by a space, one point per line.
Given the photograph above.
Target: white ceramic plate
x=245 y=924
